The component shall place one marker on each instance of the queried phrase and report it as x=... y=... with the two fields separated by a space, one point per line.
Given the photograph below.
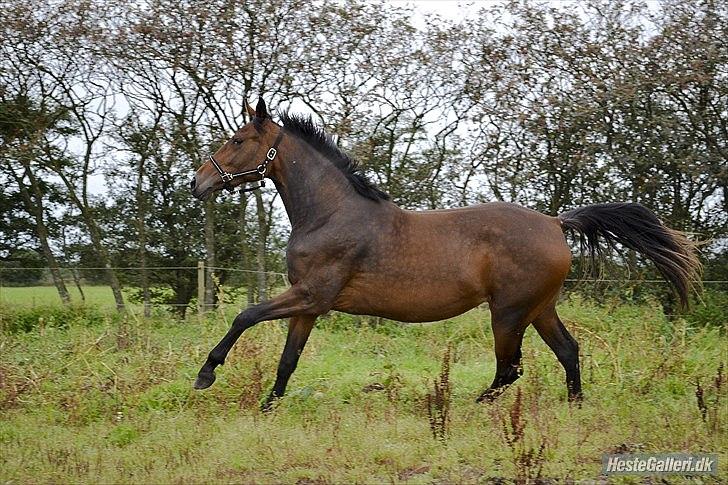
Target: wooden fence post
x=200 y=287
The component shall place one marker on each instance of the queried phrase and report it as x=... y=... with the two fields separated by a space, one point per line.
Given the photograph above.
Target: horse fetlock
x=214 y=359
x=576 y=398
x=574 y=389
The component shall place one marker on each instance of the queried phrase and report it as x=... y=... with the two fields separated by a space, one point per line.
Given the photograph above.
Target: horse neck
x=311 y=187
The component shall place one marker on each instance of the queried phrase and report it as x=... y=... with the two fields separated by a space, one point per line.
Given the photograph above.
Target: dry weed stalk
x=438 y=400
x=708 y=400
x=528 y=459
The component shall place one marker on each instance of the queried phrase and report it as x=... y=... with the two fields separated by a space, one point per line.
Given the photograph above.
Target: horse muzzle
x=201 y=190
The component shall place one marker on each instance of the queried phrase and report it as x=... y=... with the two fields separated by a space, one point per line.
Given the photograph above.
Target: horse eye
x=237 y=141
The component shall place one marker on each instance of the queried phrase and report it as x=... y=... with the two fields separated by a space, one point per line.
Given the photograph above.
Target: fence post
x=200 y=287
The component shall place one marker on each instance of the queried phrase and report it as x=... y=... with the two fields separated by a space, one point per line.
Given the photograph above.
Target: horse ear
x=249 y=109
x=260 y=110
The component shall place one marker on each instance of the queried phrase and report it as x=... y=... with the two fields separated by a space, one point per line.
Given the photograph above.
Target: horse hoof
x=269 y=405
x=205 y=380
x=486 y=397
x=576 y=399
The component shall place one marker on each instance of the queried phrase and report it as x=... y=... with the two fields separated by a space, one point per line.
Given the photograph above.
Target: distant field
x=48 y=295
x=100 y=296
x=110 y=401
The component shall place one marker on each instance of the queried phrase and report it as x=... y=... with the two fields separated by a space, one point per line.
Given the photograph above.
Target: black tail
x=636 y=227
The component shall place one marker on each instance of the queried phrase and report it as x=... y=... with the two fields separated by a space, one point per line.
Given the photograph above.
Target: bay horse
x=354 y=251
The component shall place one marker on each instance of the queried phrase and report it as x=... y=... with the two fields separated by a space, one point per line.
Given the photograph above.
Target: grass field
x=109 y=399
x=99 y=296
x=45 y=295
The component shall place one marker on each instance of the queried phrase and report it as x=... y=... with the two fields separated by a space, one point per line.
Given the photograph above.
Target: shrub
x=712 y=310
x=14 y=320
x=336 y=321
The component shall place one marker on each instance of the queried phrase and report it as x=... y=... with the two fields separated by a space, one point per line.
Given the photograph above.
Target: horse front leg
x=299 y=328
x=294 y=301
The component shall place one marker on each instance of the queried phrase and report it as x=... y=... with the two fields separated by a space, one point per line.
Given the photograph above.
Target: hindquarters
x=529 y=261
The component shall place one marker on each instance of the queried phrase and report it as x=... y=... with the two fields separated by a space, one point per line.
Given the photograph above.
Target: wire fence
x=135 y=268
x=169 y=286
x=34 y=286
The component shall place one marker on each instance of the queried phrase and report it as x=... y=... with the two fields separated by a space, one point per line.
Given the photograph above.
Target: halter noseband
x=260 y=170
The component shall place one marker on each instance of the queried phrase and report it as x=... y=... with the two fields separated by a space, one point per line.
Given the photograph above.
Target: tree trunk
x=77 y=281
x=210 y=284
x=58 y=281
x=41 y=230
x=260 y=249
x=113 y=280
x=74 y=271
x=245 y=260
x=142 y=234
x=97 y=243
x=144 y=277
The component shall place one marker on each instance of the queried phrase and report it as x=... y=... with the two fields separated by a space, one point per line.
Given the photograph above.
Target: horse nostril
x=193 y=183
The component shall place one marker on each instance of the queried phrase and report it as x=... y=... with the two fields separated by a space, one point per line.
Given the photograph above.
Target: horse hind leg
x=508 y=329
x=553 y=332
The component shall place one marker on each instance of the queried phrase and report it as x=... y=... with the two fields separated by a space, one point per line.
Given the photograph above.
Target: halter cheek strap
x=260 y=170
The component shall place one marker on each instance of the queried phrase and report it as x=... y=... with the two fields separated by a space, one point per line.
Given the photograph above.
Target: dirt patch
x=412 y=471
x=11 y=388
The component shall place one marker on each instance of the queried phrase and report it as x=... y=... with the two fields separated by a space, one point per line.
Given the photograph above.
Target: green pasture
x=45 y=295
x=89 y=396
x=99 y=296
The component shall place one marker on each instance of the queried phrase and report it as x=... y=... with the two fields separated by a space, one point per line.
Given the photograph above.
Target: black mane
x=305 y=128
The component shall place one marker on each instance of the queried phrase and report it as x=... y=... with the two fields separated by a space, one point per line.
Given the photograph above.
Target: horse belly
x=409 y=300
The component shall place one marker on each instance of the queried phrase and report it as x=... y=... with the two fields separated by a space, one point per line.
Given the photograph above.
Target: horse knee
x=242 y=321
